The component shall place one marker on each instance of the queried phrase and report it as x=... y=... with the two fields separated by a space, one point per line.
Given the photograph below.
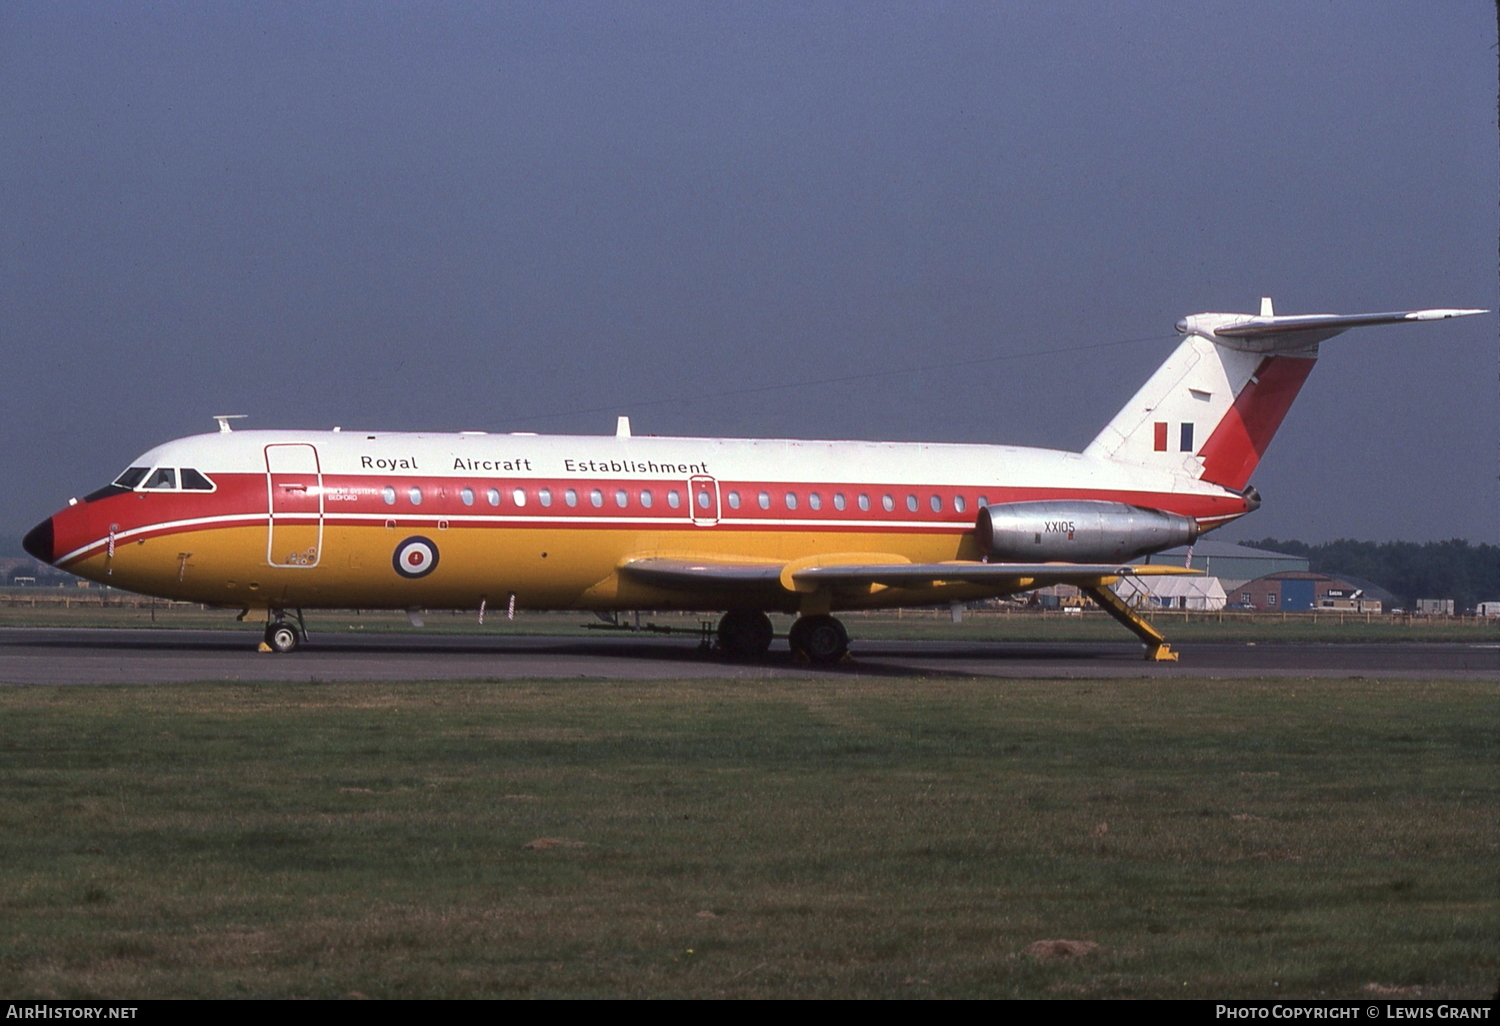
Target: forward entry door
x=294 y=488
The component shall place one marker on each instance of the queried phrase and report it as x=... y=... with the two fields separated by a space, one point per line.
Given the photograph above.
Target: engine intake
x=1079 y=531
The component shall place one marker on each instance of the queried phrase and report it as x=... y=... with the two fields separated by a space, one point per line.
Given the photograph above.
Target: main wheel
x=283 y=637
x=821 y=639
x=745 y=635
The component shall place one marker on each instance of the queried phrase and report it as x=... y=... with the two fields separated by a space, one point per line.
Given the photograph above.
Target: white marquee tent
x=1172 y=592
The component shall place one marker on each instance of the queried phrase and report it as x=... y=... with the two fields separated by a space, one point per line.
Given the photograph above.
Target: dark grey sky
x=447 y=216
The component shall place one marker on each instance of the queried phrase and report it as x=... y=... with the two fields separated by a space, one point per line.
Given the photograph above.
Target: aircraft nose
x=38 y=541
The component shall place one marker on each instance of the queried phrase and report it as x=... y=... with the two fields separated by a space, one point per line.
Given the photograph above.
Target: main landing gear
x=819 y=638
x=745 y=635
x=282 y=635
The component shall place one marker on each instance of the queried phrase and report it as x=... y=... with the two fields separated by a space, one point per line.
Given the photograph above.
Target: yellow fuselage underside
x=544 y=568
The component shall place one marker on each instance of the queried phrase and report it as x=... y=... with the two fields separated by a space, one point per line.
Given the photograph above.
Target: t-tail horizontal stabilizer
x=1210 y=411
x=1271 y=334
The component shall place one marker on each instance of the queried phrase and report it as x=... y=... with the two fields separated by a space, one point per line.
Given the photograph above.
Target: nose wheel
x=282 y=635
x=819 y=639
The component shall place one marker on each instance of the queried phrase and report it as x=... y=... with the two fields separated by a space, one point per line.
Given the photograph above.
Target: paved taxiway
x=93 y=656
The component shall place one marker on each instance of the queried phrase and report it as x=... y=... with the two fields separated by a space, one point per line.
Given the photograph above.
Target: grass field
x=890 y=838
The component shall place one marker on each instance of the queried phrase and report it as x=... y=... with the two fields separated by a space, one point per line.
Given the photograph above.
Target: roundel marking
x=415 y=557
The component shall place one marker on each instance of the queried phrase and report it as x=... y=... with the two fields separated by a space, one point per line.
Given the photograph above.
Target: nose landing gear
x=282 y=635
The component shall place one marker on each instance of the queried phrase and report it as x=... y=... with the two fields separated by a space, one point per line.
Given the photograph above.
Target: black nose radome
x=38 y=541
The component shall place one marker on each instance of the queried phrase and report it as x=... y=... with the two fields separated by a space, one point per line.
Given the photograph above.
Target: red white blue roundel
x=415 y=557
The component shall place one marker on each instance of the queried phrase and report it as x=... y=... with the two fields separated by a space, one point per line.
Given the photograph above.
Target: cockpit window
x=162 y=477
x=193 y=481
x=131 y=477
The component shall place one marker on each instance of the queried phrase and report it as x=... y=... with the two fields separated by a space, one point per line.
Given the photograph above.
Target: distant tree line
x=1468 y=574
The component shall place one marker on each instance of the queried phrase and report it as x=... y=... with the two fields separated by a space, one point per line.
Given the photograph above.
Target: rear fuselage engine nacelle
x=1079 y=531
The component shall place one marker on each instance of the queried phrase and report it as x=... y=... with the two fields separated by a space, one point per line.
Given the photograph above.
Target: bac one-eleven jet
x=275 y=522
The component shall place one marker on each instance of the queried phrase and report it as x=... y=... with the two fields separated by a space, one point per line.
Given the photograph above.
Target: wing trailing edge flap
x=837 y=573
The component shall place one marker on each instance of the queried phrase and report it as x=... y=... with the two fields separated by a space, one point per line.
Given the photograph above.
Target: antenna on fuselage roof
x=225 y=418
x=622 y=427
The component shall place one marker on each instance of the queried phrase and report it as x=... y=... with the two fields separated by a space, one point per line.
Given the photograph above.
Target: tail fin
x=1211 y=410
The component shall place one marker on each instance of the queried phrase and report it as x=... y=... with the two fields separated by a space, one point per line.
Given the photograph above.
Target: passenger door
x=294 y=489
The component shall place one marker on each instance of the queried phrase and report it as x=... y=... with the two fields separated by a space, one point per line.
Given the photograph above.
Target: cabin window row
x=793 y=501
x=545 y=497
x=646 y=498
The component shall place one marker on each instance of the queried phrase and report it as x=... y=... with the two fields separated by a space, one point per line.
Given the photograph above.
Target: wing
x=701 y=575
x=834 y=574
x=1000 y=574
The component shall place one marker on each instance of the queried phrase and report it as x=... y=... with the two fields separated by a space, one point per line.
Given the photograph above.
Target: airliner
x=277 y=522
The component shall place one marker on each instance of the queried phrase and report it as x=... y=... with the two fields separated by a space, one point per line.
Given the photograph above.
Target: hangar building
x=1297 y=591
x=1232 y=564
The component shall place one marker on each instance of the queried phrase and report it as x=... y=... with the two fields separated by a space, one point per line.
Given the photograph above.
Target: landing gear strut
x=745 y=635
x=819 y=638
x=1157 y=649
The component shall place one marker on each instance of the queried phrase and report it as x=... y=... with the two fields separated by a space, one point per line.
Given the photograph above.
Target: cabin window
x=492 y=496
x=734 y=500
x=467 y=494
x=544 y=496
x=764 y=499
x=864 y=503
x=958 y=503
x=911 y=503
x=389 y=495
x=162 y=477
x=674 y=498
x=791 y=500
x=570 y=497
x=519 y=495
x=838 y=500
x=195 y=482
x=622 y=498
x=415 y=495
x=887 y=503
x=937 y=503
x=984 y=500
x=815 y=500
x=596 y=497
x=703 y=500
x=131 y=477
x=647 y=498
